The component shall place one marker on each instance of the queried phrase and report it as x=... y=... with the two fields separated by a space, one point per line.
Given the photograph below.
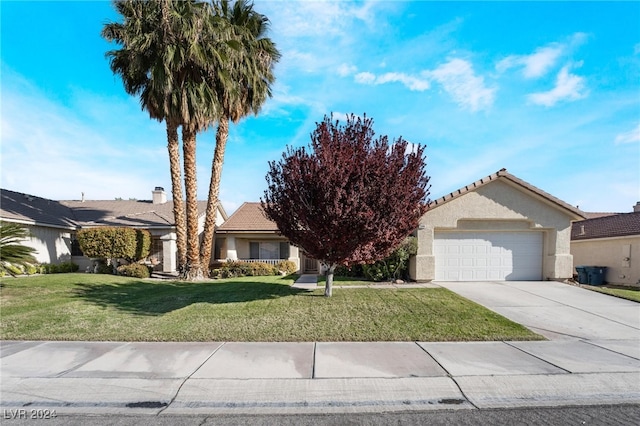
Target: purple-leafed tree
x=350 y=197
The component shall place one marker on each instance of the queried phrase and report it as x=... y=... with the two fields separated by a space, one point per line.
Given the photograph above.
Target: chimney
x=159 y=196
x=636 y=208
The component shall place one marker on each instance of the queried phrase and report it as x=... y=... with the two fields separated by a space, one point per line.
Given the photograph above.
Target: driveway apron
x=555 y=310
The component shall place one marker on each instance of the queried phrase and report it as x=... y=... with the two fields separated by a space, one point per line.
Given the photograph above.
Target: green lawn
x=102 y=307
x=625 y=293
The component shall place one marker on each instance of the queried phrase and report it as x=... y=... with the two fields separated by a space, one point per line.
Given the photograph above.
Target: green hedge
x=136 y=270
x=234 y=269
x=115 y=243
x=59 y=268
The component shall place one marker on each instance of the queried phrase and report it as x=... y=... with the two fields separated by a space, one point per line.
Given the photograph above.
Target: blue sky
x=550 y=91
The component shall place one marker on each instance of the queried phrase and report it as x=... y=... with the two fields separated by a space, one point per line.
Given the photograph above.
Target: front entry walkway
x=555 y=310
x=306 y=282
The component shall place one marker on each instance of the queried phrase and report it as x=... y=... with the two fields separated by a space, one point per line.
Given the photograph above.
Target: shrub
x=103 y=268
x=143 y=244
x=108 y=242
x=59 y=268
x=111 y=243
x=136 y=270
x=31 y=269
x=14 y=269
x=233 y=269
x=349 y=271
x=287 y=267
x=396 y=265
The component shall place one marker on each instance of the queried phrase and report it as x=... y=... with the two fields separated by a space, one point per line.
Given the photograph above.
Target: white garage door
x=488 y=256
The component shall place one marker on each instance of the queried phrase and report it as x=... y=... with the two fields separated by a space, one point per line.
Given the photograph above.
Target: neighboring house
x=497 y=228
x=50 y=223
x=612 y=241
x=249 y=236
x=53 y=224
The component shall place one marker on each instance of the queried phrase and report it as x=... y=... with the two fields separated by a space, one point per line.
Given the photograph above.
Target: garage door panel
x=481 y=256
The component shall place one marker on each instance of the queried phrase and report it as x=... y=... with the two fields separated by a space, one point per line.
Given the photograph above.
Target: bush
x=143 y=244
x=396 y=265
x=59 y=268
x=32 y=269
x=136 y=270
x=233 y=269
x=14 y=269
x=349 y=271
x=287 y=267
x=103 y=268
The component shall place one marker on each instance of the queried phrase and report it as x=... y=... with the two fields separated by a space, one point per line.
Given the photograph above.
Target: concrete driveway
x=555 y=310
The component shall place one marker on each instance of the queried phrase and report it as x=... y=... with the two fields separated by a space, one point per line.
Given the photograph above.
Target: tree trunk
x=214 y=191
x=329 y=279
x=173 y=146
x=194 y=269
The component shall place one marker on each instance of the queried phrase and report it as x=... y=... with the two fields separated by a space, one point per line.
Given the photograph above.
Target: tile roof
x=593 y=215
x=31 y=209
x=503 y=174
x=141 y=213
x=248 y=218
x=619 y=225
x=73 y=214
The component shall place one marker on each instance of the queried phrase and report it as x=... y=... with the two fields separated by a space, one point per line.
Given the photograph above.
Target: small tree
x=12 y=251
x=113 y=243
x=350 y=199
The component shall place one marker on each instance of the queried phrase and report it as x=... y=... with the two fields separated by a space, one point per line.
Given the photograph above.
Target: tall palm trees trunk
x=173 y=145
x=194 y=269
x=213 y=199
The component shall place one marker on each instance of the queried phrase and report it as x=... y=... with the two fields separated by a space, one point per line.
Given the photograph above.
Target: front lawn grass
x=108 y=308
x=624 y=293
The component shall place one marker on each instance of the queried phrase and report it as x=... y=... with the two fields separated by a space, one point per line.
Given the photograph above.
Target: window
x=156 y=252
x=75 y=247
x=268 y=250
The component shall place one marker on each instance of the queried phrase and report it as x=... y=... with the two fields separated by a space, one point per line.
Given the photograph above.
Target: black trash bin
x=583 y=277
x=596 y=274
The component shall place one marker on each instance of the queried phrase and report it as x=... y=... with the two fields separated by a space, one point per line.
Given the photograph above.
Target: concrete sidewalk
x=308 y=377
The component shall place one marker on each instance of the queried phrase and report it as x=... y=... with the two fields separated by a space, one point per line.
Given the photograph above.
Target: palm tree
x=12 y=252
x=241 y=88
x=161 y=60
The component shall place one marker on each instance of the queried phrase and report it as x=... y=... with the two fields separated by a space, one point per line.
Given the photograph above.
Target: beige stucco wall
x=237 y=246
x=620 y=255
x=498 y=206
x=52 y=245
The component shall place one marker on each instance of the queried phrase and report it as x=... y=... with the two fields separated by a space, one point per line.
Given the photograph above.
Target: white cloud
x=316 y=18
x=365 y=78
x=631 y=136
x=345 y=70
x=535 y=65
x=460 y=82
x=456 y=77
x=410 y=82
x=569 y=87
x=542 y=60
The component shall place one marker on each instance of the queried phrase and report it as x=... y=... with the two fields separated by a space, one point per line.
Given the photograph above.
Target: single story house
x=249 y=236
x=53 y=224
x=612 y=241
x=497 y=228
